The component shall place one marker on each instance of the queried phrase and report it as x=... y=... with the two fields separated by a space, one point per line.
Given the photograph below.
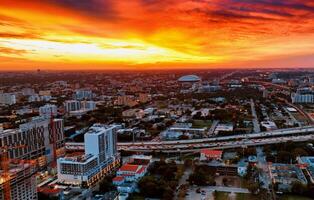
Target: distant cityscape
x=206 y=134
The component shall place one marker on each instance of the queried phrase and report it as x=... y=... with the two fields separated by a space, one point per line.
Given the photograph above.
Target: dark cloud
x=279 y=4
x=103 y=8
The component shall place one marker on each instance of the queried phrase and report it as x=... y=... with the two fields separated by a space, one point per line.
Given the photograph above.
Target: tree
x=253 y=187
x=106 y=185
x=188 y=163
x=298 y=188
x=299 y=152
x=149 y=187
x=225 y=181
x=284 y=156
x=202 y=175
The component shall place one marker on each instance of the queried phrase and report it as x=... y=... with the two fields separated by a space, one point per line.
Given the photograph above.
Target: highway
x=256 y=139
x=184 y=148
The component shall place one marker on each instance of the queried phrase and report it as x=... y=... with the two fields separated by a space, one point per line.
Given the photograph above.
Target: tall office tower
x=101 y=140
x=37 y=136
x=100 y=159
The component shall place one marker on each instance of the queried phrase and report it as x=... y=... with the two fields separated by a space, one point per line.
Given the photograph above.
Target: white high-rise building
x=7 y=98
x=101 y=157
x=72 y=105
x=101 y=140
x=302 y=98
x=88 y=105
x=48 y=110
x=83 y=94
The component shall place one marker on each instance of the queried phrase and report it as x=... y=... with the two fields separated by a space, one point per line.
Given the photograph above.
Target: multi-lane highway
x=271 y=137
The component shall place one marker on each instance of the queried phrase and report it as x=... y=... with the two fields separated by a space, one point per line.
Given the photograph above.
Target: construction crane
x=5 y=164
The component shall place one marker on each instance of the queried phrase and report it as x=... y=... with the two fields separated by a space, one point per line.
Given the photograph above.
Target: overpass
x=270 y=137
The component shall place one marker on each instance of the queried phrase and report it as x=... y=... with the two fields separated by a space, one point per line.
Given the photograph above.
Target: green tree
x=298 y=188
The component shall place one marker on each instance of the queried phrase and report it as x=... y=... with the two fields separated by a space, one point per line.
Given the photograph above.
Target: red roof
x=209 y=152
x=118 y=179
x=141 y=170
x=130 y=168
x=47 y=190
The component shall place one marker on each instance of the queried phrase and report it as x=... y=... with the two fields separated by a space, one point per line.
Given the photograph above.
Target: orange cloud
x=155 y=33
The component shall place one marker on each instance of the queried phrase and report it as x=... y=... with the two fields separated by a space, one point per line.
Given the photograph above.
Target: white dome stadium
x=189 y=78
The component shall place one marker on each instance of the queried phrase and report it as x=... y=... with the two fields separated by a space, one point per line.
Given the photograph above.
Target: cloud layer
x=158 y=33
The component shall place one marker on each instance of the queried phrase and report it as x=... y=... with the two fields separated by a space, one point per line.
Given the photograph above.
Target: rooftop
x=189 y=78
x=211 y=152
x=129 y=168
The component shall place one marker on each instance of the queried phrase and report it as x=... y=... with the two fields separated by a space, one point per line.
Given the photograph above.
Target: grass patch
x=201 y=123
x=136 y=196
x=241 y=196
x=293 y=197
x=221 y=195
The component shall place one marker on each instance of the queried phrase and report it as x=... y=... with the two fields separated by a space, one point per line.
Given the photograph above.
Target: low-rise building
x=285 y=175
x=208 y=154
x=7 y=98
x=130 y=173
x=226 y=127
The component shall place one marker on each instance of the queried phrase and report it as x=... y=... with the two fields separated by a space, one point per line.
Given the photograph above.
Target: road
x=183 y=180
x=255 y=139
x=213 y=127
x=305 y=114
x=256 y=126
x=295 y=121
x=193 y=195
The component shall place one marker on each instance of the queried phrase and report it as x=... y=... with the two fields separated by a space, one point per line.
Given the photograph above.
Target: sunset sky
x=155 y=34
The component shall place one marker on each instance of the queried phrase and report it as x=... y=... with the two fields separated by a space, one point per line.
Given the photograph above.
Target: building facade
x=101 y=158
x=37 y=136
x=7 y=99
x=48 y=110
x=23 y=182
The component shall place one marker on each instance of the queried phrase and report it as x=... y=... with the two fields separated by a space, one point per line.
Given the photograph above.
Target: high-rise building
x=72 y=105
x=83 y=94
x=302 y=98
x=88 y=105
x=28 y=91
x=37 y=136
x=48 y=110
x=101 y=157
x=23 y=182
x=7 y=98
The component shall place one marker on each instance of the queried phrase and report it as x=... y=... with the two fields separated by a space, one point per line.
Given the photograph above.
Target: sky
x=155 y=34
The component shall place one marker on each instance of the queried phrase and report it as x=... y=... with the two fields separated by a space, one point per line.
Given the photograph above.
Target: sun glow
x=167 y=33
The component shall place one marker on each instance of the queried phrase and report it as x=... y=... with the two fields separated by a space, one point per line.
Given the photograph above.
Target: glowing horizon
x=155 y=34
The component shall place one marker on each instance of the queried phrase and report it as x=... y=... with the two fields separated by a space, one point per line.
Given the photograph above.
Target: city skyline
x=152 y=34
